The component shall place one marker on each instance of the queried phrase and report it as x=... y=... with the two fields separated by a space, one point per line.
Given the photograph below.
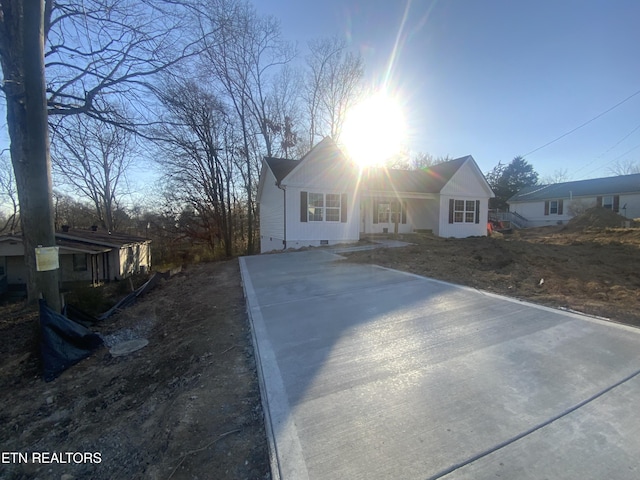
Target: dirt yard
x=586 y=265
x=187 y=406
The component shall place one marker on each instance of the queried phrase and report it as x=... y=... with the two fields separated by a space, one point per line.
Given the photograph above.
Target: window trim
x=559 y=207
x=337 y=209
x=464 y=211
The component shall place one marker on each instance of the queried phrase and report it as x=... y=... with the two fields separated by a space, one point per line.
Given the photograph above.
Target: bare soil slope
x=584 y=265
x=187 y=406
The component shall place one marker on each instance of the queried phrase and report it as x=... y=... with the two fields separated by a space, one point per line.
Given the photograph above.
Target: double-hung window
x=323 y=207
x=553 y=207
x=464 y=211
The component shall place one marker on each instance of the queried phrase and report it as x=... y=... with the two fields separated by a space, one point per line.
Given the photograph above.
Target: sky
x=497 y=78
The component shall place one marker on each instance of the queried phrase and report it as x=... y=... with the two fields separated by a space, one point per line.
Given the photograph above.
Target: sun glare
x=374 y=130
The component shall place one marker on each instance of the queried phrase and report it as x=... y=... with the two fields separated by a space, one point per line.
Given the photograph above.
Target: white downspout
x=284 y=247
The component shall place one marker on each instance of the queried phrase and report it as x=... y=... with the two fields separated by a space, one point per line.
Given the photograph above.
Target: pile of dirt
x=596 y=217
x=595 y=271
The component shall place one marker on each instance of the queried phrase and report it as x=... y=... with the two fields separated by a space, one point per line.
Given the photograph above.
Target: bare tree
x=198 y=161
x=10 y=219
x=422 y=160
x=624 y=167
x=406 y=160
x=101 y=50
x=245 y=50
x=93 y=157
x=283 y=113
x=558 y=176
x=94 y=49
x=333 y=84
x=71 y=212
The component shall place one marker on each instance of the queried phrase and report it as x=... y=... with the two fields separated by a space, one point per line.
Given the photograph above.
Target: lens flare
x=374 y=129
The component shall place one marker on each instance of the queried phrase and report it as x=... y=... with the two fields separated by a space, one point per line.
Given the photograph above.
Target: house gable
x=322 y=198
x=312 y=201
x=467 y=181
x=325 y=166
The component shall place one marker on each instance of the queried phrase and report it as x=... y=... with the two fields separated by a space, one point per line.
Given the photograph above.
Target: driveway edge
x=285 y=451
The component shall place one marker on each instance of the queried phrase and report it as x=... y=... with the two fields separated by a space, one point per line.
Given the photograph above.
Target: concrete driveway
x=370 y=373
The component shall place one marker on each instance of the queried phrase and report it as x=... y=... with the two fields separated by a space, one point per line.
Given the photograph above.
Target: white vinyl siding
x=271 y=215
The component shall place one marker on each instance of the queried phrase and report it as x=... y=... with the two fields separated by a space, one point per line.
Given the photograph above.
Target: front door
x=388 y=215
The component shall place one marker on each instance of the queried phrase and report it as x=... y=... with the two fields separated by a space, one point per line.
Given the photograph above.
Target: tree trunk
x=28 y=130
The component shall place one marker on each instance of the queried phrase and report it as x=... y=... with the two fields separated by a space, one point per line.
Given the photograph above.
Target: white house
x=558 y=203
x=324 y=199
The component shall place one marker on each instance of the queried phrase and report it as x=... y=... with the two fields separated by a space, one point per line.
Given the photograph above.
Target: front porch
x=398 y=214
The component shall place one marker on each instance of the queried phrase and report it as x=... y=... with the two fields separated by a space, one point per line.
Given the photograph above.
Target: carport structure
x=370 y=373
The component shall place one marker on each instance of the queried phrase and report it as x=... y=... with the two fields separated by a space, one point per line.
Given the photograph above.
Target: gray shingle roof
x=429 y=180
x=580 y=188
x=281 y=167
x=100 y=237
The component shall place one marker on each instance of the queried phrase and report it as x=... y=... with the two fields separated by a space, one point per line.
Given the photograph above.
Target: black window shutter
x=375 y=211
x=616 y=203
x=303 y=207
x=560 y=205
x=477 y=211
x=451 y=210
x=404 y=213
x=599 y=201
x=343 y=208
x=546 y=207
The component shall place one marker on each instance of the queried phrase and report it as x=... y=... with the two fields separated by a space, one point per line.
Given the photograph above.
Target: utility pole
x=23 y=69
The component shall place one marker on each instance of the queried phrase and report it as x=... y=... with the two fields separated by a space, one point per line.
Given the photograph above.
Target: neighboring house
x=558 y=203
x=91 y=256
x=324 y=199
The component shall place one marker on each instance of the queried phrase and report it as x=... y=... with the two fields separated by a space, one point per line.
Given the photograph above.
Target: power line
x=605 y=152
x=584 y=124
x=613 y=160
